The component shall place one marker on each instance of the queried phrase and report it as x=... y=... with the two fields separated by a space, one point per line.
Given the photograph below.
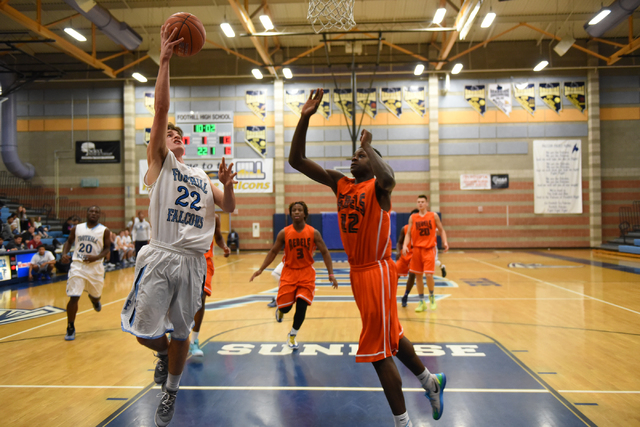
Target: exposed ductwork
x=620 y=10
x=9 y=134
x=119 y=32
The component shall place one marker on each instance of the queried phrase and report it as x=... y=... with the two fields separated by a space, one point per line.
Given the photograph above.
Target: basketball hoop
x=331 y=14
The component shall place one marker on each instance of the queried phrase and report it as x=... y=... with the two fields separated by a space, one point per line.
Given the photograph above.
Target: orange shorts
x=296 y=283
x=207 y=281
x=374 y=288
x=424 y=260
x=402 y=264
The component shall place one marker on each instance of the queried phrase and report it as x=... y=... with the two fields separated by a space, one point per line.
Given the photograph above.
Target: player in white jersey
x=170 y=270
x=92 y=242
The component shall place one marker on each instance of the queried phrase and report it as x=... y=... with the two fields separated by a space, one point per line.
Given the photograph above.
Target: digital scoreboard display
x=207 y=135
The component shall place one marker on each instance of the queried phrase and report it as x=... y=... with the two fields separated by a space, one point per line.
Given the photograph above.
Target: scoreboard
x=207 y=135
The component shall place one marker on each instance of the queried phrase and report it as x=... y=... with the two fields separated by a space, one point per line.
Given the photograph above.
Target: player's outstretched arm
x=407 y=237
x=219 y=239
x=326 y=257
x=443 y=234
x=297 y=156
x=225 y=199
x=157 y=148
x=385 y=178
x=67 y=246
x=277 y=246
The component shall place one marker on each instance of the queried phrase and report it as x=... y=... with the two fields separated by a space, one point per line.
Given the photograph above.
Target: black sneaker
x=97 y=306
x=444 y=271
x=166 y=408
x=71 y=334
x=162 y=369
x=404 y=300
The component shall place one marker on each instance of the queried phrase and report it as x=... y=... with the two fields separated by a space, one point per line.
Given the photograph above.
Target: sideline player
x=92 y=242
x=170 y=270
x=364 y=204
x=421 y=235
x=298 y=278
x=194 y=346
x=403 y=261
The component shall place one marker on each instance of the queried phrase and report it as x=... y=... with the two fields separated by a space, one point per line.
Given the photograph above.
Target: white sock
x=424 y=378
x=194 y=336
x=402 y=420
x=438 y=263
x=294 y=331
x=173 y=382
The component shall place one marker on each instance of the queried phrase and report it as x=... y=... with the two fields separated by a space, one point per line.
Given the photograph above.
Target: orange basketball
x=190 y=29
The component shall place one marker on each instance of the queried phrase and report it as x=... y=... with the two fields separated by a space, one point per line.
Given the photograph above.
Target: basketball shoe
x=432 y=302
x=166 y=408
x=162 y=369
x=291 y=341
x=194 y=349
x=421 y=307
x=434 y=391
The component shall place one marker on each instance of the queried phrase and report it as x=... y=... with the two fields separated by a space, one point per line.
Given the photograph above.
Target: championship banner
x=295 y=99
x=415 y=96
x=391 y=97
x=550 y=94
x=367 y=99
x=254 y=175
x=256 y=138
x=257 y=102
x=525 y=94
x=325 y=104
x=576 y=92
x=149 y=100
x=557 y=177
x=500 y=95
x=475 y=96
x=343 y=98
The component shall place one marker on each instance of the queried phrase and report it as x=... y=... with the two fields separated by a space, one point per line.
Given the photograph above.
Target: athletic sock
x=173 y=382
x=294 y=331
x=438 y=263
x=421 y=296
x=194 y=336
x=70 y=325
x=430 y=292
x=402 y=420
x=406 y=293
x=424 y=378
x=163 y=352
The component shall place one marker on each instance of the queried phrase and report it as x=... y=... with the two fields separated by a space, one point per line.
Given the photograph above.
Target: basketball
x=190 y=29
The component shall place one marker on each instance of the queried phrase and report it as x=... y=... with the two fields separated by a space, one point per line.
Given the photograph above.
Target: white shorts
x=85 y=277
x=166 y=292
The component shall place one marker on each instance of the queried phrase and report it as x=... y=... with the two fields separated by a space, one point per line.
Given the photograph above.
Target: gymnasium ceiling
x=561 y=18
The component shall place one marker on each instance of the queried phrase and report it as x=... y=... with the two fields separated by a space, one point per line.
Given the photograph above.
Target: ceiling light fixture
x=600 y=16
x=266 y=22
x=287 y=73
x=139 y=77
x=419 y=69
x=541 y=65
x=76 y=35
x=488 y=20
x=456 y=68
x=256 y=73
x=439 y=16
x=227 y=30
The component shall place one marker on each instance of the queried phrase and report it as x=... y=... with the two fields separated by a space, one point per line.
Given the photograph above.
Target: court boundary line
x=558 y=286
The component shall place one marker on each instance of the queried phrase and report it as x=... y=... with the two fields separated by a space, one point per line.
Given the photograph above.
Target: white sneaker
x=291 y=341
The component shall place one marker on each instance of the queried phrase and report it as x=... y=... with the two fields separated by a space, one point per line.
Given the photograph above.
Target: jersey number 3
x=194 y=194
x=352 y=227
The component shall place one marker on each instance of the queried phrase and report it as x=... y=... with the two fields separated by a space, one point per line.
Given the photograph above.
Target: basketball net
x=331 y=14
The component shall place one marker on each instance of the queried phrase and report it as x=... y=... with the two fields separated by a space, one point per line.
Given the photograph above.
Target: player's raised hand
x=167 y=43
x=365 y=137
x=256 y=274
x=226 y=174
x=311 y=106
x=227 y=251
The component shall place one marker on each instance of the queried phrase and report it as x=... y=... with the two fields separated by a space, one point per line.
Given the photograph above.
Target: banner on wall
x=325 y=104
x=257 y=102
x=142 y=171
x=256 y=138
x=97 y=151
x=550 y=94
x=254 y=175
x=484 y=181
x=368 y=100
x=500 y=95
x=557 y=176
x=391 y=97
x=475 y=96
x=415 y=97
x=149 y=102
x=525 y=94
x=295 y=99
x=343 y=98
x=576 y=93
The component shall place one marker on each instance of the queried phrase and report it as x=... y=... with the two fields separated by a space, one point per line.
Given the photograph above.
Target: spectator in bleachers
x=35 y=243
x=141 y=232
x=42 y=230
x=21 y=213
x=6 y=233
x=14 y=223
x=28 y=234
x=114 y=256
x=71 y=222
x=233 y=240
x=41 y=263
x=124 y=251
x=17 y=244
x=2 y=248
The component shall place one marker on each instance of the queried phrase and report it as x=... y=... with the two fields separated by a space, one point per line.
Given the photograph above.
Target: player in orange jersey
x=421 y=235
x=364 y=204
x=403 y=262
x=298 y=278
x=194 y=346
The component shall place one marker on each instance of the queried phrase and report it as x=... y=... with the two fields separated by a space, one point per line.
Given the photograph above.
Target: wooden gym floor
x=545 y=338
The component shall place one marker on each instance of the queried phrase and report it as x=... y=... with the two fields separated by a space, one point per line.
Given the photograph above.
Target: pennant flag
x=576 y=92
x=525 y=94
x=415 y=96
x=256 y=138
x=550 y=94
x=149 y=99
x=344 y=100
x=500 y=95
x=367 y=99
x=257 y=102
x=295 y=99
x=475 y=96
x=325 y=104
x=391 y=97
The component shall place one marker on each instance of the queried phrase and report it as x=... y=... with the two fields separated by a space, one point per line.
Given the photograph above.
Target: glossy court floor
x=526 y=338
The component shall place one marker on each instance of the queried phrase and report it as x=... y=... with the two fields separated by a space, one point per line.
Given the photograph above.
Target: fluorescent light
x=227 y=30
x=541 y=65
x=488 y=20
x=256 y=73
x=467 y=25
x=76 y=35
x=287 y=73
x=439 y=16
x=139 y=77
x=266 y=22
x=600 y=16
x=456 y=68
x=419 y=69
